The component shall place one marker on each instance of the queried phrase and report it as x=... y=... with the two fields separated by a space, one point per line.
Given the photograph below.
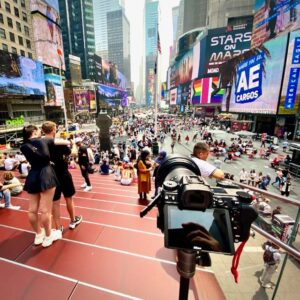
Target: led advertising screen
x=110 y=96
x=46 y=9
x=75 y=70
x=92 y=98
x=173 y=96
x=21 y=75
x=220 y=45
x=81 y=100
x=54 y=90
x=273 y=18
x=258 y=79
x=206 y=91
x=47 y=38
x=290 y=94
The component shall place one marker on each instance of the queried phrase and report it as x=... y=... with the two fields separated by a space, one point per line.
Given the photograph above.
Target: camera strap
x=236 y=260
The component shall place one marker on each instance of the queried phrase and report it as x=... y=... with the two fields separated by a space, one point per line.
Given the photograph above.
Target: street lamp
x=59 y=52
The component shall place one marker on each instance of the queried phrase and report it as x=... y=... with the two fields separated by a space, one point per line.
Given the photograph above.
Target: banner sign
x=292 y=88
x=15 y=122
x=290 y=93
x=173 y=96
x=249 y=79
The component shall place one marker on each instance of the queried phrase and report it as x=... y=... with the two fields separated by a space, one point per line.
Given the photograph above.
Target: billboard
x=258 y=78
x=173 y=96
x=98 y=68
x=220 y=45
x=110 y=96
x=47 y=37
x=81 y=100
x=21 y=75
x=290 y=94
x=75 y=70
x=48 y=10
x=273 y=18
x=206 y=91
x=54 y=90
x=92 y=98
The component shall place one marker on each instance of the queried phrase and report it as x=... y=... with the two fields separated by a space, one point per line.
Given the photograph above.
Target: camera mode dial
x=170 y=185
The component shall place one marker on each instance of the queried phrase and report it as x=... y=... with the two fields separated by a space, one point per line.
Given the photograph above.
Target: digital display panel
x=48 y=39
x=109 y=96
x=55 y=95
x=273 y=18
x=81 y=100
x=21 y=75
x=258 y=79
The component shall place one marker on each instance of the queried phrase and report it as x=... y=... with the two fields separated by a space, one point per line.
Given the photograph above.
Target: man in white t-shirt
x=11 y=163
x=199 y=156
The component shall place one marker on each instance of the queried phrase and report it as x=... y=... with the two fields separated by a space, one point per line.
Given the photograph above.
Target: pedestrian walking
x=271 y=259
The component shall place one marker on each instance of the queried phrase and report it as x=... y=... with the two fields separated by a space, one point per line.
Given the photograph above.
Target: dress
x=144 y=178
x=41 y=176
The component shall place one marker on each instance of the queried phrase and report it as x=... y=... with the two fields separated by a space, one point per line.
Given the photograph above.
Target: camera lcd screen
x=208 y=231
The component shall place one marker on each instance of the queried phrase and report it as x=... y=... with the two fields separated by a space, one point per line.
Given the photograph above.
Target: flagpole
x=157 y=83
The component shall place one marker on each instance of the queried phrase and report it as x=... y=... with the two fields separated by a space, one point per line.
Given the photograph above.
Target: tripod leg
x=184 y=288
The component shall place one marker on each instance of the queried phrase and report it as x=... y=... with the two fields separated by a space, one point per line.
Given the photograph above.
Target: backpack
x=268 y=257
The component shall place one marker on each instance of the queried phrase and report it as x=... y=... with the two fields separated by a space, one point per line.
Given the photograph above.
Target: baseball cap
x=78 y=140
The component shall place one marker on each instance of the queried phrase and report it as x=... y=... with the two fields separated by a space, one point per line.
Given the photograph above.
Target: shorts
x=66 y=186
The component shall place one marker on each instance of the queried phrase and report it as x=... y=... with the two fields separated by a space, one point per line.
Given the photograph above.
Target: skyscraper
x=118 y=41
x=101 y=8
x=151 y=27
x=78 y=33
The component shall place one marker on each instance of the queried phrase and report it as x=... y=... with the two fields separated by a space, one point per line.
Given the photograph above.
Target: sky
x=134 y=10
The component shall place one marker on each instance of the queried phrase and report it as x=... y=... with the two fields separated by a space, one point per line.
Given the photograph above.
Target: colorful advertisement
x=273 y=18
x=92 y=98
x=21 y=75
x=206 y=91
x=186 y=94
x=221 y=44
x=47 y=38
x=81 y=100
x=55 y=94
x=173 y=96
x=290 y=95
x=182 y=71
x=110 y=97
x=48 y=10
x=256 y=87
x=75 y=70
x=163 y=90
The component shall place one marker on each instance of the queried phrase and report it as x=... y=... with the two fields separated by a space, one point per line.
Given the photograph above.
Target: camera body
x=193 y=193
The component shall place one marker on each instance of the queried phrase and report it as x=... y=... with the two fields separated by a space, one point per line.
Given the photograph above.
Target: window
x=22 y=53
x=26 y=30
x=23 y=3
x=16 y=12
x=12 y=37
x=14 y=50
x=1 y=19
x=20 y=40
x=2 y=33
x=28 y=44
x=10 y=22
x=29 y=55
x=4 y=47
x=19 y=28
x=24 y=16
x=7 y=7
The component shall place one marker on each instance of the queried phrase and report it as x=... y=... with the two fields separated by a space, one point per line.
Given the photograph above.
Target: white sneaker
x=39 y=237
x=2 y=205
x=83 y=185
x=57 y=234
x=13 y=207
x=88 y=188
x=48 y=240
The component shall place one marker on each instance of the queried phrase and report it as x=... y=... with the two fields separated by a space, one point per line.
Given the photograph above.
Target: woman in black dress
x=40 y=183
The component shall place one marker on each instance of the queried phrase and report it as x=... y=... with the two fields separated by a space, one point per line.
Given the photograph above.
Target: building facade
x=100 y=9
x=77 y=23
x=16 y=28
x=151 y=28
x=118 y=38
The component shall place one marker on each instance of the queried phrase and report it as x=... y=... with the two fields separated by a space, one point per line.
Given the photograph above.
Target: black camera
x=192 y=215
